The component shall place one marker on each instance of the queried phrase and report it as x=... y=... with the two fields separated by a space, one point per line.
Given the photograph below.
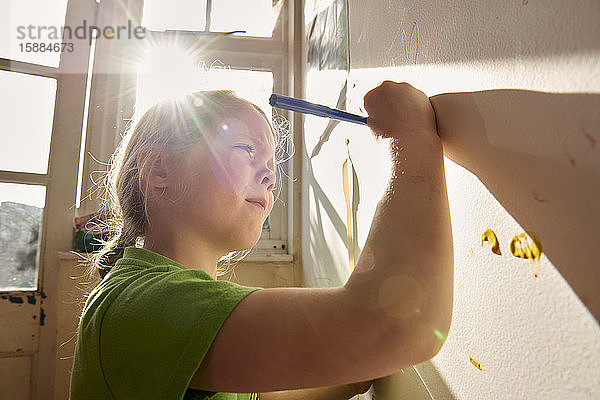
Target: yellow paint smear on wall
x=526 y=245
x=475 y=363
x=490 y=236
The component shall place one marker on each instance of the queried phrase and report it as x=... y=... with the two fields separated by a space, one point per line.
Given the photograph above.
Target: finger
x=368 y=99
x=377 y=132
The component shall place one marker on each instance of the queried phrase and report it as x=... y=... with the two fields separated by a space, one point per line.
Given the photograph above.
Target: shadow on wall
x=327 y=271
x=539 y=155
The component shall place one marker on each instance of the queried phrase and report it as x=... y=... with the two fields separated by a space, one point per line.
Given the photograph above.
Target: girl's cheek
x=227 y=171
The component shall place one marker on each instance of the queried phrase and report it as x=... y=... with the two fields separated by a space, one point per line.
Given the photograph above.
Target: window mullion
x=57 y=221
x=24 y=177
x=7 y=64
x=110 y=105
x=208 y=17
x=208 y=41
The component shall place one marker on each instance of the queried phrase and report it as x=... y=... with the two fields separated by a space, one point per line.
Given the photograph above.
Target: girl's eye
x=251 y=150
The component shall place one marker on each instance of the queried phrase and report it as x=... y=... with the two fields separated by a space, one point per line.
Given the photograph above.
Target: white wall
x=520 y=160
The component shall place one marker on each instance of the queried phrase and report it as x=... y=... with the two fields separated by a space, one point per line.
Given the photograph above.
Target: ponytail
x=105 y=258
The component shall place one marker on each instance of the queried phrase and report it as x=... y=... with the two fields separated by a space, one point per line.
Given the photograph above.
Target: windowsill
x=275 y=258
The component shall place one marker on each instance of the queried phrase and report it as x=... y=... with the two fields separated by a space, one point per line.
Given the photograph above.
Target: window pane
x=26 y=112
x=160 y=15
x=31 y=21
x=256 y=17
x=21 y=208
x=169 y=72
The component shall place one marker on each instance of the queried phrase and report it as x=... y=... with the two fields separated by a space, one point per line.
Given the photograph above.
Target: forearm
x=341 y=392
x=405 y=270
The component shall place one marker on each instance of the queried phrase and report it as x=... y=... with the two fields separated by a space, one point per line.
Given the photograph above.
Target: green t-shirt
x=146 y=328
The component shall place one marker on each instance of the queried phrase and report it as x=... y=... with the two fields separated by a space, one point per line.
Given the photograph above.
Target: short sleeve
x=155 y=335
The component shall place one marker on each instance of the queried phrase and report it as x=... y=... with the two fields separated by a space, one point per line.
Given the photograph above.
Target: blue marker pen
x=301 y=106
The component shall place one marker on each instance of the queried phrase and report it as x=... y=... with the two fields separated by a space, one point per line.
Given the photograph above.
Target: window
x=25 y=148
x=168 y=71
x=21 y=25
x=242 y=17
x=21 y=208
x=26 y=111
x=180 y=54
x=29 y=80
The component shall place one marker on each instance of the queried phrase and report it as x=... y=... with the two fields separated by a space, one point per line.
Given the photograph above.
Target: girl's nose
x=268 y=179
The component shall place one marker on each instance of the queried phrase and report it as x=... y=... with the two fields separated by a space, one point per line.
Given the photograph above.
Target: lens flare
x=439 y=335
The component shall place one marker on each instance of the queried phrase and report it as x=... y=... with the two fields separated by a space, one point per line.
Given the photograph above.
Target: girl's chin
x=246 y=245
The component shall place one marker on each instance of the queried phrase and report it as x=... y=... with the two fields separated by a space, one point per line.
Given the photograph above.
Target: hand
x=399 y=110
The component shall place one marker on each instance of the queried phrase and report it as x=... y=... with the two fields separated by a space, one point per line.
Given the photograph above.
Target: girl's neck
x=180 y=247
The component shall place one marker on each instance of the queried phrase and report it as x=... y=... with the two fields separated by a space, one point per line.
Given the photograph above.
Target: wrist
x=420 y=156
x=419 y=141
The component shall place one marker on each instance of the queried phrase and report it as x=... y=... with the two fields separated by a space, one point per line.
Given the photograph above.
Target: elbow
x=437 y=340
x=421 y=338
x=431 y=335
x=429 y=345
x=414 y=341
x=428 y=331
x=435 y=324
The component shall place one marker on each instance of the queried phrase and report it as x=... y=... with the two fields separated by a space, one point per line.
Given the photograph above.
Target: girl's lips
x=257 y=203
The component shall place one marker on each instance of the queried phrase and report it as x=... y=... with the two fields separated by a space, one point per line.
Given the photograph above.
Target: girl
x=194 y=181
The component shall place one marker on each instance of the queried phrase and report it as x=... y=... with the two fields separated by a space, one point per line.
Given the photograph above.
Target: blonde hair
x=174 y=124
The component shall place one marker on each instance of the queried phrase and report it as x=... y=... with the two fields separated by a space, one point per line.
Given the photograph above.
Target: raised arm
x=395 y=309
x=405 y=272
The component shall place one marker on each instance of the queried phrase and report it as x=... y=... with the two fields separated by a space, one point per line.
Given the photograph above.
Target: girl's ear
x=154 y=169
x=159 y=172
